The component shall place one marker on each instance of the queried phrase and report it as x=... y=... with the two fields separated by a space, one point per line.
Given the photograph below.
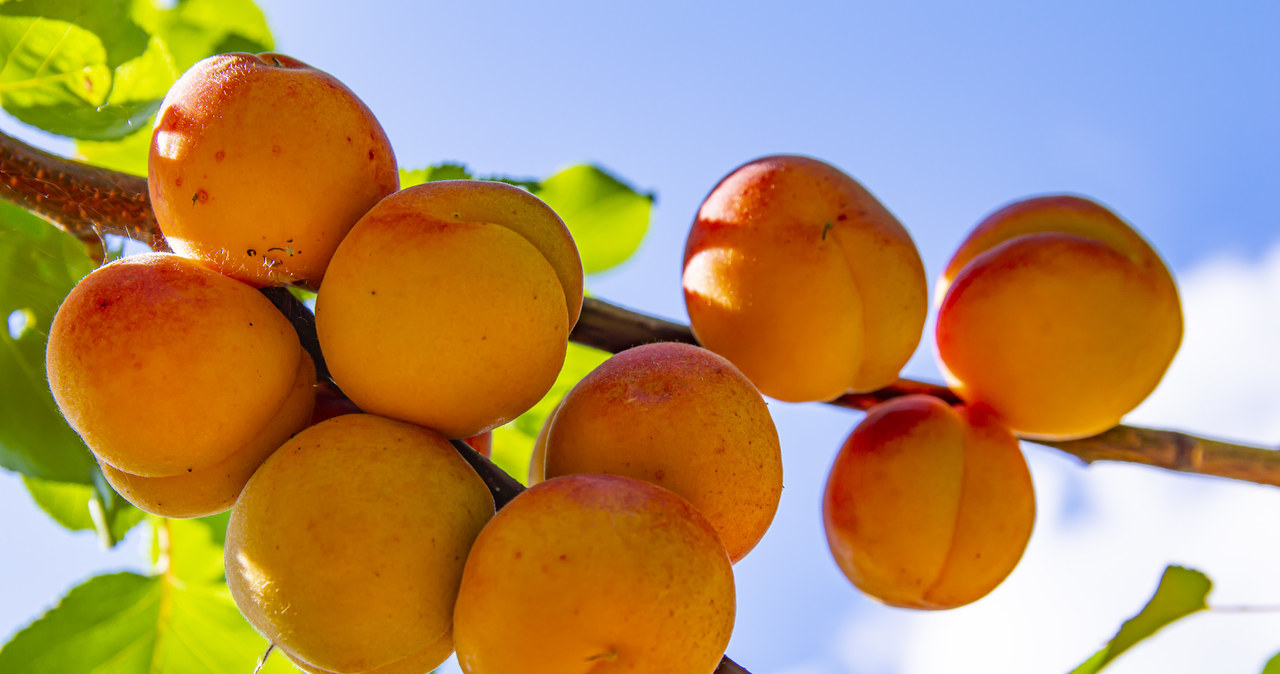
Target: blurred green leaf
x=443 y=171
x=1273 y=665
x=38 y=267
x=70 y=505
x=607 y=217
x=195 y=29
x=195 y=548
x=126 y=623
x=81 y=68
x=1181 y=593
x=128 y=154
x=513 y=442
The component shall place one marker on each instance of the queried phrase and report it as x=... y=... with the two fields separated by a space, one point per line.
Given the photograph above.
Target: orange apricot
x=450 y=304
x=683 y=418
x=800 y=277
x=214 y=489
x=1058 y=315
x=347 y=546
x=928 y=506
x=165 y=367
x=591 y=573
x=260 y=164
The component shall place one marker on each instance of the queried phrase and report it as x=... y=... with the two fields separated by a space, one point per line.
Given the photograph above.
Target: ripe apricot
x=449 y=305
x=165 y=367
x=800 y=277
x=422 y=662
x=591 y=573
x=347 y=546
x=1058 y=315
x=683 y=418
x=928 y=506
x=214 y=489
x=260 y=164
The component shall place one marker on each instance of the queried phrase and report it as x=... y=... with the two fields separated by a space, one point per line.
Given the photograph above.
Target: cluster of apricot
x=1055 y=318
x=364 y=542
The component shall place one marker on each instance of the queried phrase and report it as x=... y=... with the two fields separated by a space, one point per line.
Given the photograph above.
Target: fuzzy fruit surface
x=260 y=164
x=1058 y=315
x=212 y=490
x=208 y=358
x=449 y=305
x=683 y=418
x=800 y=277
x=593 y=573
x=347 y=546
x=928 y=506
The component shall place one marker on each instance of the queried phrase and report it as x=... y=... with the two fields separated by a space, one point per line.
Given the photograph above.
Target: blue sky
x=1167 y=113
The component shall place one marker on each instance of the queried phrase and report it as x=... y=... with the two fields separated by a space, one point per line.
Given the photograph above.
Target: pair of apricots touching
x=364 y=543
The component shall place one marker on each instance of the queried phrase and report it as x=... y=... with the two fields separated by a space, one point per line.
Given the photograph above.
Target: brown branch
x=86 y=200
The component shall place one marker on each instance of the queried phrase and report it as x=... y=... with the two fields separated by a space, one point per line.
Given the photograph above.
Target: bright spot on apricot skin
x=706 y=273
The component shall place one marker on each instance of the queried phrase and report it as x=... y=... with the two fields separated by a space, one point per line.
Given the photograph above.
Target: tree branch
x=88 y=201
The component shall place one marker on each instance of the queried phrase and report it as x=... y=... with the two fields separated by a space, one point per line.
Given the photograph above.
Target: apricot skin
x=260 y=164
x=800 y=277
x=592 y=573
x=683 y=418
x=212 y=490
x=928 y=506
x=347 y=546
x=449 y=305
x=165 y=367
x=1057 y=315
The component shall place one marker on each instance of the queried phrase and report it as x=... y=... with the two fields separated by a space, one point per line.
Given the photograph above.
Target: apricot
x=212 y=490
x=928 y=506
x=683 y=418
x=422 y=662
x=260 y=164
x=1058 y=315
x=800 y=277
x=346 y=548
x=449 y=305
x=165 y=367
x=591 y=573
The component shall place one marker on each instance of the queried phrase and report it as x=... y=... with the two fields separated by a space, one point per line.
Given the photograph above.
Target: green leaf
x=71 y=506
x=122 y=39
x=1273 y=665
x=1181 y=593
x=80 y=68
x=128 y=154
x=607 y=217
x=195 y=548
x=126 y=623
x=443 y=171
x=38 y=267
x=513 y=442
x=195 y=29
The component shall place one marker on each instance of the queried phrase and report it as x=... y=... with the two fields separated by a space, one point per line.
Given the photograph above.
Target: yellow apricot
x=800 y=277
x=165 y=367
x=1057 y=315
x=928 y=506
x=592 y=573
x=260 y=164
x=449 y=305
x=683 y=418
x=214 y=489
x=347 y=546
